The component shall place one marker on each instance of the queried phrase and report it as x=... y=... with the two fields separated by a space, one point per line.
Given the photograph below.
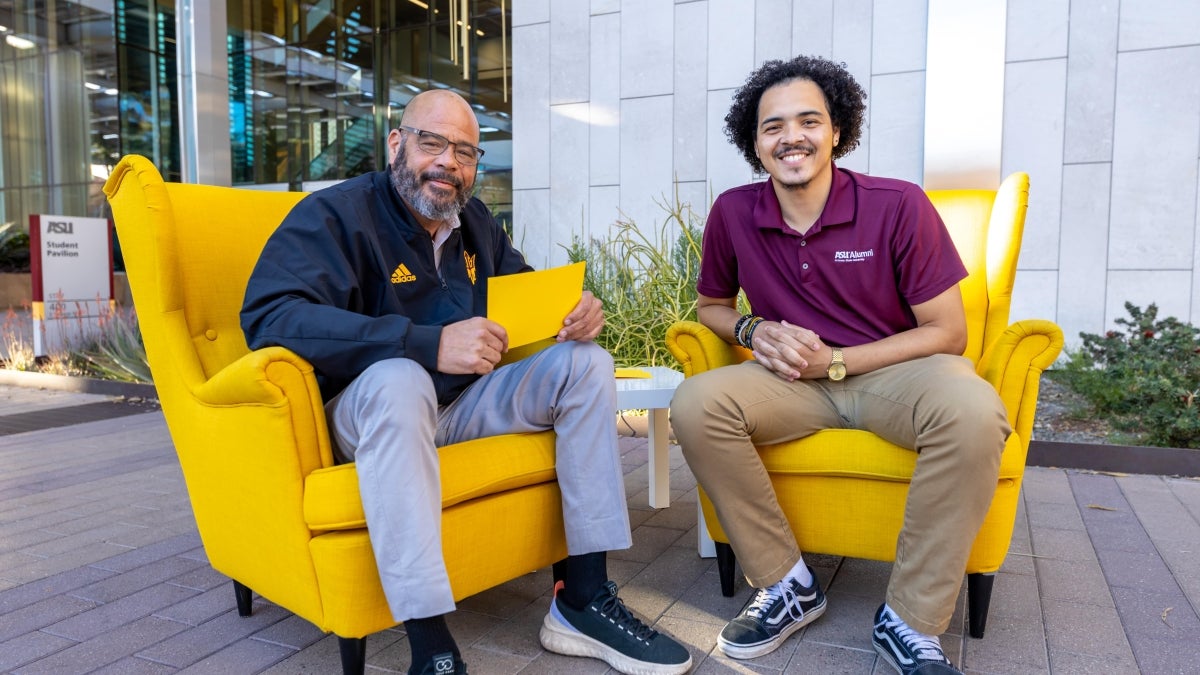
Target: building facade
x=273 y=94
x=620 y=103
x=617 y=106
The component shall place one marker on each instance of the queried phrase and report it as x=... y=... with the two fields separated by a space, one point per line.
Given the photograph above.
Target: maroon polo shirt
x=878 y=248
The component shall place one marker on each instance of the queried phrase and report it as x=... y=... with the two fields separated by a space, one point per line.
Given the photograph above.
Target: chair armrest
x=1013 y=364
x=276 y=377
x=697 y=348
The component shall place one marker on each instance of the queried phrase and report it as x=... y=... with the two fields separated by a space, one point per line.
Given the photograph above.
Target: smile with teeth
x=793 y=155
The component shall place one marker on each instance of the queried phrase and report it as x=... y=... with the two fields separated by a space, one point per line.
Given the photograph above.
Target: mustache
x=443 y=177
x=803 y=147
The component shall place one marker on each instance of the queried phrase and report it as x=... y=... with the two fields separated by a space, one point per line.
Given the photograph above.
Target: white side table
x=653 y=394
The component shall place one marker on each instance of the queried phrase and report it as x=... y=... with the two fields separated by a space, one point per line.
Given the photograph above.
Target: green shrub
x=646 y=280
x=1143 y=378
x=14 y=248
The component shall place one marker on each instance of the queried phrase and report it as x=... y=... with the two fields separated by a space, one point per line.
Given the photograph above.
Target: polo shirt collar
x=839 y=208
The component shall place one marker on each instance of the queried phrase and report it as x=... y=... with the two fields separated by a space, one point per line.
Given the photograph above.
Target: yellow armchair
x=812 y=476
x=274 y=512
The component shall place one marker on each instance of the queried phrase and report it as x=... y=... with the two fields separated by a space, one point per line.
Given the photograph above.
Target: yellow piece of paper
x=632 y=373
x=532 y=305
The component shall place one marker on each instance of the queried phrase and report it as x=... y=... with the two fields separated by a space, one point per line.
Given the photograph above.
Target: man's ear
x=394 y=139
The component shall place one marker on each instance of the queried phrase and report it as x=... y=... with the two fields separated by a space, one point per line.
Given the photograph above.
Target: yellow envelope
x=531 y=306
x=632 y=373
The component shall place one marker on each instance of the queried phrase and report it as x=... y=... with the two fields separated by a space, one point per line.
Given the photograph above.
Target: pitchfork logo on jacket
x=470 y=260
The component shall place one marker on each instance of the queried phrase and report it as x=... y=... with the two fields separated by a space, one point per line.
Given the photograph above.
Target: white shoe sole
x=753 y=651
x=561 y=639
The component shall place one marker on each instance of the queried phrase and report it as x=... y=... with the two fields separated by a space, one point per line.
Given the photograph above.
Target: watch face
x=837 y=371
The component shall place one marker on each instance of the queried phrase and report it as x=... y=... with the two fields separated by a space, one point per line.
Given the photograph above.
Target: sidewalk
x=101 y=570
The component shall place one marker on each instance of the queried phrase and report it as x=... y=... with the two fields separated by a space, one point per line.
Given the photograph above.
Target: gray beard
x=408 y=186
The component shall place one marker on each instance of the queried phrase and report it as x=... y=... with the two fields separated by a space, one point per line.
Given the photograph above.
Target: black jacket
x=348 y=279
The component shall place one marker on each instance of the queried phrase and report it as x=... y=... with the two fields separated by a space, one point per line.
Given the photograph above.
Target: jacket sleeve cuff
x=422 y=345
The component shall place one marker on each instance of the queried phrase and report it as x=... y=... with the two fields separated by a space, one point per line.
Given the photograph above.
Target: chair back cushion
x=219 y=233
x=190 y=250
x=986 y=227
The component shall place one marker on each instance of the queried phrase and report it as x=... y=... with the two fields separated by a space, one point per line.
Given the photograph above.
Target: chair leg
x=354 y=655
x=243 y=594
x=979 y=599
x=725 y=561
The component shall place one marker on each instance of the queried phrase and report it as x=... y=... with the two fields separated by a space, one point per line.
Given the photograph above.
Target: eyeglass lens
x=436 y=145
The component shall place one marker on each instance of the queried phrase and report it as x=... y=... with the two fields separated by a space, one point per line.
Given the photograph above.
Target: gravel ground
x=1057 y=420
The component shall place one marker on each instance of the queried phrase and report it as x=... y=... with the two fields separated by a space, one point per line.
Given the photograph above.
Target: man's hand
x=471 y=346
x=789 y=351
x=584 y=322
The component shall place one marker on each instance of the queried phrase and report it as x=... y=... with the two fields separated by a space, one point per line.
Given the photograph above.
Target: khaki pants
x=936 y=405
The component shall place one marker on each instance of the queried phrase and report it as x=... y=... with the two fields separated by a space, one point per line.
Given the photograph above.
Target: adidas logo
x=402 y=275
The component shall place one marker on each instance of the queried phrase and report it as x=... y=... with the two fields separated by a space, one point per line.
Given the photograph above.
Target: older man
x=380 y=282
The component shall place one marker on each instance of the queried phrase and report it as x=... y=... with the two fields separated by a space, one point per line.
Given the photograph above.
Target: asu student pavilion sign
x=71 y=269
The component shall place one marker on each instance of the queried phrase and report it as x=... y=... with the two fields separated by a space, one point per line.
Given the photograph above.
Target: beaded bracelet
x=737 y=327
x=747 y=329
x=750 y=332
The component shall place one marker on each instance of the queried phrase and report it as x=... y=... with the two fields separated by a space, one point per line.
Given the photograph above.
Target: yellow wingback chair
x=813 y=476
x=274 y=512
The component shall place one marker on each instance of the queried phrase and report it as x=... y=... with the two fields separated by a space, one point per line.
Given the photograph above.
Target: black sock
x=428 y=637
x=582 y=577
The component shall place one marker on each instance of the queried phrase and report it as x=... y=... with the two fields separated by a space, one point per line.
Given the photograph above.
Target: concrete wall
x=619 y=102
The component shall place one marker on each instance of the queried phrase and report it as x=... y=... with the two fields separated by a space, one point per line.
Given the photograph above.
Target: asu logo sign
x=401 y=275
x=59 y=227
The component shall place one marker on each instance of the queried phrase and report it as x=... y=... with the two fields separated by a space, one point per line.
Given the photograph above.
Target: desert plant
x=1144 y=377
x=113 y=351
x=646 y=280
x=116 y=351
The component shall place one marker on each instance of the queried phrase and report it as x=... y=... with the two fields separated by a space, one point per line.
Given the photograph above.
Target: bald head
x=439 y=106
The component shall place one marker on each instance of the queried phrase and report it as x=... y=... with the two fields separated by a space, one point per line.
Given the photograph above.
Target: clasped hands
x=791 y=352
x=476 y=345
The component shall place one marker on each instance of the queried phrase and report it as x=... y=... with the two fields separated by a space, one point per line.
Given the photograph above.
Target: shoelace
x=765 y=597
x=614 y=609
x=922 y=646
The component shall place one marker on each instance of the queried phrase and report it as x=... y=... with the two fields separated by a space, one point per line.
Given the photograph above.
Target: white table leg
x=704 y=544
x=660 y=466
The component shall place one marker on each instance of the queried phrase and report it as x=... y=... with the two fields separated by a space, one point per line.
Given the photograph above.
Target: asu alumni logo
x=853 y=256
x=402 y=276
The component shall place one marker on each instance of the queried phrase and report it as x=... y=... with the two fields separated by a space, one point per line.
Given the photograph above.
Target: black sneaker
x=608 y=631
x=909 y=652
x=770 y=616
x=441 y=664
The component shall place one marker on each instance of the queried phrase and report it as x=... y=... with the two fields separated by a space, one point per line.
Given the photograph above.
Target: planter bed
x=79 y=385
x=1118 y=458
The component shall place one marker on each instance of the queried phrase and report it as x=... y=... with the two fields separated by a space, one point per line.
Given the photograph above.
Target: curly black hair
x=844 y=97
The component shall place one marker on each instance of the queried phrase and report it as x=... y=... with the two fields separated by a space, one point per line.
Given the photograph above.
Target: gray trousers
x=388 y=422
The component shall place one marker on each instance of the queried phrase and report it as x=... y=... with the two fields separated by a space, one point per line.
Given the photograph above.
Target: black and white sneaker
x=608 y=631
x=770 y=616
x=908 y=651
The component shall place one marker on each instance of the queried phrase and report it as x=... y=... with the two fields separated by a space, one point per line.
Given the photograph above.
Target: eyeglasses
x=433 y=144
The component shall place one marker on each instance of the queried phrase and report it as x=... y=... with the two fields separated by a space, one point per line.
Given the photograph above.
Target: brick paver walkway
x=101 y=570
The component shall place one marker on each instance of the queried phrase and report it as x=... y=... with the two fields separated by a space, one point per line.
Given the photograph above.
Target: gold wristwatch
x=837 y=367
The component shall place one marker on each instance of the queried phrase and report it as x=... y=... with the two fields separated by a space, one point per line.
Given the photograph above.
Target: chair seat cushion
x=470 y=470
x=849 y=452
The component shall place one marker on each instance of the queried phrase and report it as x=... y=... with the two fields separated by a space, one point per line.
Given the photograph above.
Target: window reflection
x=314 y=90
